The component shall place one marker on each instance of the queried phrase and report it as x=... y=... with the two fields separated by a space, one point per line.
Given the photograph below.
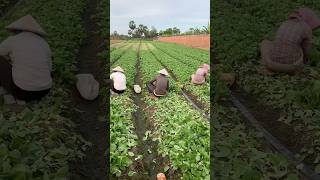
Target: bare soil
x=90 y=116
x=194 y=41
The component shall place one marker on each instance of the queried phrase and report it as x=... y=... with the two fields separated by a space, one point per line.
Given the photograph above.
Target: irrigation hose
x=305 y=169
x=206 y=116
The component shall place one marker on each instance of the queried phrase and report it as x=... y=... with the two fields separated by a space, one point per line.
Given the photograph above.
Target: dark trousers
x=6 y=81
x=151 y=87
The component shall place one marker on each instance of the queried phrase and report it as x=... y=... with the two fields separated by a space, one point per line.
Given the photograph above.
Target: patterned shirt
x=292 y=41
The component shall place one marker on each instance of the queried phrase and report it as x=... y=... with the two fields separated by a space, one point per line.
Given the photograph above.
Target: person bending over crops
x=159 y=86
x=289 y=51
x=25 y=61
x=118 y=81
x=200 y=76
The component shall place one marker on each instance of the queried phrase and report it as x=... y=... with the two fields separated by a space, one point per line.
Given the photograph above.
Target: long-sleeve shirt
x=119 y=81
x=200 y=76
x=30 y=57
x=292 y=42
x=161 y=85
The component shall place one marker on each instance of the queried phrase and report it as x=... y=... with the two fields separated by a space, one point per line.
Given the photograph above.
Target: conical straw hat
x=137 y=89
x=27 y=23
x=205 y=66
x=164 y=72
x=118 y=68
x=307 y=15
x=87 y=86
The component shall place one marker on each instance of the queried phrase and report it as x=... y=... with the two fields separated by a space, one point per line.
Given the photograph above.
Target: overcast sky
x=161 y=14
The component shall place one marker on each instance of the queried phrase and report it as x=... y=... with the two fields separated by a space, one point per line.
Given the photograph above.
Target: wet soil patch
x=90 y=116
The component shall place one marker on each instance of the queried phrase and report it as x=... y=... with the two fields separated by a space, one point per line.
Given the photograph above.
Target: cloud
x=159 y=13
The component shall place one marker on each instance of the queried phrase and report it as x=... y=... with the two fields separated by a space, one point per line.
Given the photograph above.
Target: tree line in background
x=142 y=31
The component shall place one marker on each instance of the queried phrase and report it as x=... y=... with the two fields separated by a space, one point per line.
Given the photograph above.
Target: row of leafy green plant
x=239 y=152
x=39 y=142
x=182 y=133
x=5 y=5
x=240 y=26
x=123 y=139
x=183 y=67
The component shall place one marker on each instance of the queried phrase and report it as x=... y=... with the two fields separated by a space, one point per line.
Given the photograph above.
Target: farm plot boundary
x=194 y=41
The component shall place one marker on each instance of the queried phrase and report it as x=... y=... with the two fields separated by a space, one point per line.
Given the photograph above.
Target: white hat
x=137 y=89
x=87 y=86
x=164 y=72
x=27 y=23
x=118 y=68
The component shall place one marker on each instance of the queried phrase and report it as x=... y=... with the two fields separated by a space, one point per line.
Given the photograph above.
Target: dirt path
x=88 y=115
x=150 y=164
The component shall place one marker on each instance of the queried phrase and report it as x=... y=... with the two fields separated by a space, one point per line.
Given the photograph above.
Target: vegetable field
x=286 y=106
x=42 y=141
x=168 y=134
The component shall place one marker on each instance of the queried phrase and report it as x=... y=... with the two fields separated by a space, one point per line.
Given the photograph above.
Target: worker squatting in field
x=159 y=86
x=200 y=76
x=118 y=81
x=26 y=65
x=289 y=51
x=25 y=62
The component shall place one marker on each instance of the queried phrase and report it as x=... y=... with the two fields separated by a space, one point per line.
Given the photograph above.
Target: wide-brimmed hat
x=87 y=86
x=308 y=16
x=137 y=88
x=205 y=66
x=118 y=69
x=164 y=72
x=27 y=23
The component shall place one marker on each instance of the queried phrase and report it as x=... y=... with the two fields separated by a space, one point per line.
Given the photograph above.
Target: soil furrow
x=268 y=117
x=122 y=54
x=124 y=44
x=174 y=57
x=187 y=95
x=151 y=162
x=87 y=115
